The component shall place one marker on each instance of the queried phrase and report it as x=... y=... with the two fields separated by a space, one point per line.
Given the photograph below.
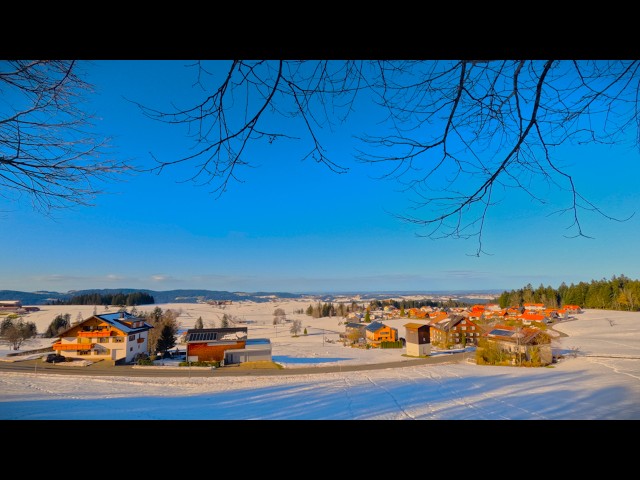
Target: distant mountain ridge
x=195 y=295
x=169 y=296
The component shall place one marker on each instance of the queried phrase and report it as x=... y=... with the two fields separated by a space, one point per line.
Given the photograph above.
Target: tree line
x=128 y=299
x=617 y=293
x=329 y=309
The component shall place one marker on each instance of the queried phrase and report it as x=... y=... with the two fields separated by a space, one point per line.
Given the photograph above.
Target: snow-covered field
x=602 y=381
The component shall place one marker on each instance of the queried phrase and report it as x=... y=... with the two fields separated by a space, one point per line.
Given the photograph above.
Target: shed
x=418 y=339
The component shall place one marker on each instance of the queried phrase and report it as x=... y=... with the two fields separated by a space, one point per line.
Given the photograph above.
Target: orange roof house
x=574 y=308
x=532 y=317
x=533 y=306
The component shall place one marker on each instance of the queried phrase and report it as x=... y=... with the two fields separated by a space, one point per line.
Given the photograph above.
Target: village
x=506 y=336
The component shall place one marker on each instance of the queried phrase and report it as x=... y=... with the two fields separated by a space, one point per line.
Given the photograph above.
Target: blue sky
x=294 y=225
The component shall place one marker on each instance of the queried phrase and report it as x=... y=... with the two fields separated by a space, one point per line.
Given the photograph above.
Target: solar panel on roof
x=203 y=336
x=502 y=333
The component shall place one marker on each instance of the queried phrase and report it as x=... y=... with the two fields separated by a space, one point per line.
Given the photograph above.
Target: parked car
x=55 y=358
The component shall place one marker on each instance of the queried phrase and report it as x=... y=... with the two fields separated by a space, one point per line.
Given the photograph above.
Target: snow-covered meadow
x=599 y=378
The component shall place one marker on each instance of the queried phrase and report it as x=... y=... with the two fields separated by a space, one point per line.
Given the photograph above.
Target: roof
x=119 y=320
x=375 y=326
x=499 y=332
x=523 y=336
x=415 y=325
x=448 y=323
x=354 y=325
x=216 y=334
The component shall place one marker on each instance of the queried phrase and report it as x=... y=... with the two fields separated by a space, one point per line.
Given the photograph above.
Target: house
x=524 y=344
x=533 y=306
x=255 y=350
x=210 y=344
x=527 y=318
x=377 y=332
x=10 y=305
x=438 y=315
x=455 y=330
x=114 y=337
x=572 y=308
x=514 y=311
x=417 y=313
x=418 y=340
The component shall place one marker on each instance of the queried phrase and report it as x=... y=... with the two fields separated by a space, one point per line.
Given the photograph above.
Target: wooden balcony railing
x=95 y=334
x=72 y=346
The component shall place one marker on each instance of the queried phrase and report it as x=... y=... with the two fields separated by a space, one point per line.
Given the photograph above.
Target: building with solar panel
x=522 y=344
x=227 y=345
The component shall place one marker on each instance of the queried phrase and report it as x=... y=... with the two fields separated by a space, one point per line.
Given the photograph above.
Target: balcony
x=72 y=346
x=95 y=334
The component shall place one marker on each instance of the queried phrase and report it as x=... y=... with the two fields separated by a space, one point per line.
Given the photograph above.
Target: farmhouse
x=116 y=337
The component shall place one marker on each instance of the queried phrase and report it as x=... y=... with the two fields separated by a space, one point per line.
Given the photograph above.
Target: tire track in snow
x=496 y=399
x=388 y=392
x=456 y=397
x=429 y=406
x=613 y=368
x=347 y=386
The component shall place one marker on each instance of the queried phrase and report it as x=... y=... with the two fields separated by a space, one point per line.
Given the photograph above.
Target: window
x=473 y=328
x=103 y=340
x=118 y=339
x=463 y=328
x=132 y=337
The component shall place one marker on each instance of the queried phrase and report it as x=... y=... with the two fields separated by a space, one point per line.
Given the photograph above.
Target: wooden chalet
x=114 y=337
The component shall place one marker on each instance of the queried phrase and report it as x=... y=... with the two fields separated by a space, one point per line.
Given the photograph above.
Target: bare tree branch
x=47 y=151
x=458 y=136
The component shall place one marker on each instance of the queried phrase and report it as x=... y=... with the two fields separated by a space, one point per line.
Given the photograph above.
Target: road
x=98 y=369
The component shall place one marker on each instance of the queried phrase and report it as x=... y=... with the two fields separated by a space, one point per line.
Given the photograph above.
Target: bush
x=200 y=364
x=143 y=359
